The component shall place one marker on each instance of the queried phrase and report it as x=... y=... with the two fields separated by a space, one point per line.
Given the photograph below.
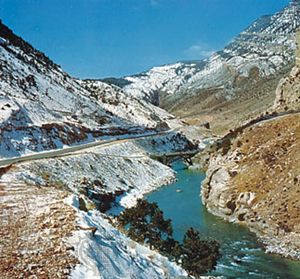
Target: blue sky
x=101 y=38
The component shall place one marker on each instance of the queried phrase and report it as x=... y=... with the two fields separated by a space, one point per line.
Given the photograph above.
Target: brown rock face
x=254 y=173
x=288 y=90
x=256 y=182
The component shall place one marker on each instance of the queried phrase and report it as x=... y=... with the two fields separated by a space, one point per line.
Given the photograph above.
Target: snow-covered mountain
x=42 y=107
x=263 y=49
x=161 y=80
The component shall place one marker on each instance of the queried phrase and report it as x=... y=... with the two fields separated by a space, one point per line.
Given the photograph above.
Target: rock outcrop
x=288 y=90
x=254 y=179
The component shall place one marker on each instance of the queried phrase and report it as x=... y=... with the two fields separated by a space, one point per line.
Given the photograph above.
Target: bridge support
x=188 y=161
x=164 y=159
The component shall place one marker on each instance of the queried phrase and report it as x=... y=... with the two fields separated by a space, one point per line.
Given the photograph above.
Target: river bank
x=101 y=250
x=243 y=254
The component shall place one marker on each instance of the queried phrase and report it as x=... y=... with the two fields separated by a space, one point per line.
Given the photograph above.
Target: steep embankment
x=46 y=235
x=124 y=168
x=254 y=174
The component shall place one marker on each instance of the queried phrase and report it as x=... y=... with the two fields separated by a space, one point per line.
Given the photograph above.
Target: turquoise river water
x=242 y=256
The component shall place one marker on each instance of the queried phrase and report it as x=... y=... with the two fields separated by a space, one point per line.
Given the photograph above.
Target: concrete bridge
x=167 y=158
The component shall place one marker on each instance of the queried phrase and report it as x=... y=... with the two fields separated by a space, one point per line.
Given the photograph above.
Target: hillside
x=157 y=83
x=46 y=235
x=140 y=112
x=42 y=107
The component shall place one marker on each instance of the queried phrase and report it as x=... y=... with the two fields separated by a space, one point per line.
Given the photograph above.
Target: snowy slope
x=41 y=104
x=42 y=107
x=267 y=45
x=128 y=107
x=161 y=80
x=110 y=254
x=107 y=169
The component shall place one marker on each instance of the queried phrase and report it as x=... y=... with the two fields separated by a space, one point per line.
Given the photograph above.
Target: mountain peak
x=7 y=34
x=295 y=2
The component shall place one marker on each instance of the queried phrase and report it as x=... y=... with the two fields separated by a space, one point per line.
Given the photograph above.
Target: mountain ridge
x=263 y=53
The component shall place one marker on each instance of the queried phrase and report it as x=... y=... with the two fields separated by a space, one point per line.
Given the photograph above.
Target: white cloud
x=198 y=51
x=153 y=2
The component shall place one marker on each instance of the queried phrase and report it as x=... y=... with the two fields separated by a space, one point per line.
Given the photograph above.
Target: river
x=242 y=256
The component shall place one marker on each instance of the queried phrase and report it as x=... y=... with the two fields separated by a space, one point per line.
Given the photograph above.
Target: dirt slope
x=34 y=223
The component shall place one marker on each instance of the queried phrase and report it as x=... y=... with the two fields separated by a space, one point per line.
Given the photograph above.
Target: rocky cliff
x=288 y=90
x=253 y=175
x=253 y=179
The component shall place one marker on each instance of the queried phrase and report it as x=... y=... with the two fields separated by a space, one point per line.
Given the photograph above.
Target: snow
x=128 y=107
x=110 y=254
x=168 y=78
x=3 y=41
x=42 y=108
x=118 y=166
x=112 y=165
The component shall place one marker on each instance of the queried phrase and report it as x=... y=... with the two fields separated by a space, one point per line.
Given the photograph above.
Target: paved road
x=73 y=149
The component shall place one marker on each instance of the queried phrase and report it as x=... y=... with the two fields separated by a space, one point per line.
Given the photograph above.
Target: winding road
x=73 y=150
